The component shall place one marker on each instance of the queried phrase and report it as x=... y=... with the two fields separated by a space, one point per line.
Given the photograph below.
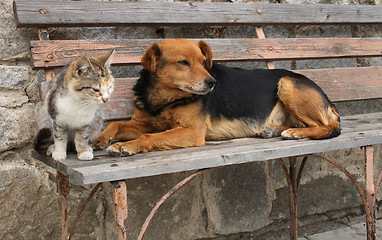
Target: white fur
x=75 y=113
x=85 y=156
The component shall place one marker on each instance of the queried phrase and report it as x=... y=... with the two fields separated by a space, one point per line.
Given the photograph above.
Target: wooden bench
x=340 y=84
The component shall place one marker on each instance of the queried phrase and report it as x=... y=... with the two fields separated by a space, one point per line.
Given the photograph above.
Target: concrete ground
x=353 y=232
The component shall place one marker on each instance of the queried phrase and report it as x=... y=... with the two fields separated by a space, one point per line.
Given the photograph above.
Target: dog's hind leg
x=312 y=114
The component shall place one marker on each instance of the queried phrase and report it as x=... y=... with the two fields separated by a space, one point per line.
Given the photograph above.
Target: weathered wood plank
x=348 y=84
x=53 y=54
x=47 y=13
x=358 y=130
x=340 y=84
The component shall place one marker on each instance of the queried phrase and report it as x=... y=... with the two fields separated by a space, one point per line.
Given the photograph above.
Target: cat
x=69 y=113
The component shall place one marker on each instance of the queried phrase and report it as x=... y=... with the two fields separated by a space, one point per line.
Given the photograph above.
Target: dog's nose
x=210 y=82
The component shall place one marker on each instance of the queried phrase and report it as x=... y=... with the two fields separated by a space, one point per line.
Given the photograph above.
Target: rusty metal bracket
x=120 y=205
x=164 y=199
x=370 y=192
x=293 y=181
x=63 y=189
x=378 y=183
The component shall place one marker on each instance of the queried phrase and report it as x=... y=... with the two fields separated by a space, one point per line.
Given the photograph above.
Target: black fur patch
x=53 y=96
x=142 y=89
x=241 y=93
x=43 y=140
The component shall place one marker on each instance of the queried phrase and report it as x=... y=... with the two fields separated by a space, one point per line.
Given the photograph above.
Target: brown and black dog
x=183 y=99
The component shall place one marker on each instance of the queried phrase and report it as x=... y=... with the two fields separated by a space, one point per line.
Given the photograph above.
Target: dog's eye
x=184 y=63
x=204 y=63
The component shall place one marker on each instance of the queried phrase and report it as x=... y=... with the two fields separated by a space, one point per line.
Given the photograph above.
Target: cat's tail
x=43 y=140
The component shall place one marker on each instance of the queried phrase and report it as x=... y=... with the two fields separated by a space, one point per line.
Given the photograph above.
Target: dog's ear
x=206 y=50
x=151 y=57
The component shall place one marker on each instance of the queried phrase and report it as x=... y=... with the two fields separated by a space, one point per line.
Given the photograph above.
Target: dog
x=184 y=99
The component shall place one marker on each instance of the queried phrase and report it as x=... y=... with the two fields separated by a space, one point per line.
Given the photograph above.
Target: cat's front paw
x=50 y=150
x=85 y=156
x=58 y=155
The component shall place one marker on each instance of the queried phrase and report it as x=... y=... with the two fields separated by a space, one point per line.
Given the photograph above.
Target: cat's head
x=91 y=79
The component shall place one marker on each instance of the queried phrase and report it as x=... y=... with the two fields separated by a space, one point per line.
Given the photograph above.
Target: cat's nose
x=105 y=99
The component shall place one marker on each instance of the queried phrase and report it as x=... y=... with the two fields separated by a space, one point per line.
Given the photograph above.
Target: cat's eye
x=184 y=63
x=89 y=88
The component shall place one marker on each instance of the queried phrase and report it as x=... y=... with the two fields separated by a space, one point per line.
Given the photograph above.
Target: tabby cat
x=70 y=109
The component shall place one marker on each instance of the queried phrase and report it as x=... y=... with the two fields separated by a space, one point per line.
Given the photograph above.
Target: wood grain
x=348 y=84
x=340 y=84
x=358 y=130
x=48 y=13
x=56 y=53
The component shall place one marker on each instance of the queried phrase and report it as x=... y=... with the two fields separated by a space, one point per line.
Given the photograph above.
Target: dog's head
x=181 y=65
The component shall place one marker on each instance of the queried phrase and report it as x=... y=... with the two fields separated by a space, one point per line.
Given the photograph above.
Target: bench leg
x=120 y=204
x=293 y=198
x=293 y=179
x=63 y=191
x=370 y=191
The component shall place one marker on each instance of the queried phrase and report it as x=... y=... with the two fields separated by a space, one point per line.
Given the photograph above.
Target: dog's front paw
x=122 y=149
x=292 y=134
x=100 y=142
x=114 y=151
x=59 y=155
x=86 y=156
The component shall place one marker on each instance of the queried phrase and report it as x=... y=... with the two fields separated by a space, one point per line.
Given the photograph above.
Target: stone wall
x=238 y=201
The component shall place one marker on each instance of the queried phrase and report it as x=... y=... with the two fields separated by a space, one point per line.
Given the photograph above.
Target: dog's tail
x=43 y=140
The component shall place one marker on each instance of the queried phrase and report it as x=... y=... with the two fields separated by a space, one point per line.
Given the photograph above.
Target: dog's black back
x=241 y=93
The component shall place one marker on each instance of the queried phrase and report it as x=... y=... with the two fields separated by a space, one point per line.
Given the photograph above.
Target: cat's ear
x=81 y=67
x=106 y=60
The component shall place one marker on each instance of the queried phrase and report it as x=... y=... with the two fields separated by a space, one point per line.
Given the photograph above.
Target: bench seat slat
x=53 y=54
x=358 y=130
x=47 y=13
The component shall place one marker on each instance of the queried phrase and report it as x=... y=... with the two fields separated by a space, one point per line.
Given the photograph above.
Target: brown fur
x=178 y=70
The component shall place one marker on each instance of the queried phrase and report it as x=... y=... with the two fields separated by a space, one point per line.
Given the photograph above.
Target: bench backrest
x=340 y=84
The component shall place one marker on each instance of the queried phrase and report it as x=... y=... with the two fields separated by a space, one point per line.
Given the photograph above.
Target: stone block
x=17 y=126
x=12 y=98
x=237 y=198
x=13 y=76
x=322 y=195
x=14 y=43
x=28 y=201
